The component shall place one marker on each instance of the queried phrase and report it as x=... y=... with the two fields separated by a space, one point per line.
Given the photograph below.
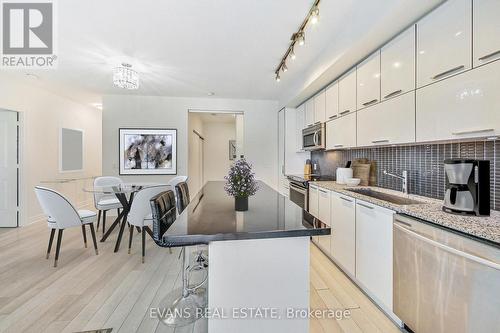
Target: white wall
x=195 y=157
x=216 y=149
x=260 y=125
x=43 y=113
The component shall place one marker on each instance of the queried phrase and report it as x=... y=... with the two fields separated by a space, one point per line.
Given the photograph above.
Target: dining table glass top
x=123 y=188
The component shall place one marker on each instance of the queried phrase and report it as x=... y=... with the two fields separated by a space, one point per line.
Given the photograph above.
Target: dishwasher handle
x=446 y=248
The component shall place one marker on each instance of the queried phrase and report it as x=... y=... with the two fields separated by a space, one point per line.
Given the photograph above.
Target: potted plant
x=241 y=183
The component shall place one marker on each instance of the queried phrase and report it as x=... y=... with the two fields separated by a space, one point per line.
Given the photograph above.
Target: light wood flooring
x=115 y=290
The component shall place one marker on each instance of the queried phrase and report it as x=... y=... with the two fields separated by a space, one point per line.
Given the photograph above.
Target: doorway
x=215 y=142
x=9 y=169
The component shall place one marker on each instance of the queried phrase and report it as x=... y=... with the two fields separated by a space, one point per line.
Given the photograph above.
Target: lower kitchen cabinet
x=313 y=200
x=324 y=216
x=374 y=251
x=343 y=237
x=389 y=122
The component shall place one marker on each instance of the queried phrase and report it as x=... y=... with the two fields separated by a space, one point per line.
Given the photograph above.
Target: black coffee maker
x=467 y=187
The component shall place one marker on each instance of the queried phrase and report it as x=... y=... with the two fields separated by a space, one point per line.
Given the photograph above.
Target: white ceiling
x=231 y=48
x=207 y=117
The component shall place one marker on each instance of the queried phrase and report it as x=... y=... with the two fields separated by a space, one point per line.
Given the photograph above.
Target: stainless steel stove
x=299 y=187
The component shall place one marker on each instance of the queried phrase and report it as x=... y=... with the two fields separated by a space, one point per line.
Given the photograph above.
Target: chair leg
x=58 y=245
x=103 y=221
x=84 y=235
x=51 y=239
x=143 y=244
x=131 y=228
x=92 y=231
x=118 y=211
x=98 y=219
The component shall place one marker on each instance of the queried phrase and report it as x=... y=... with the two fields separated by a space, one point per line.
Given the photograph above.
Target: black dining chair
x=189 y=300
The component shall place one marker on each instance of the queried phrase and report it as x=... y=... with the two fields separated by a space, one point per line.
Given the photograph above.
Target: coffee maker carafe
x=467 y=187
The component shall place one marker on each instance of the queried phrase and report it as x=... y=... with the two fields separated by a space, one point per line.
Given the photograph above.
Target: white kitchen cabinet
x=309 y=112
x=464 y=106
x=347 y=92
x=299 y=126
x=374 y=251
x=313 y=200
x=343 y=236
x=324 y=205
x=332 y=101
x=444 y=42
x=397 y=65
x=389 y=122
x=486 y=31
x=319 y=107
x=368 y=80
x=341 y=132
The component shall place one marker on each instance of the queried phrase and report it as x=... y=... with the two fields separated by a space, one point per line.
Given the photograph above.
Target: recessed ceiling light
x=97 y=105
x=211 y=93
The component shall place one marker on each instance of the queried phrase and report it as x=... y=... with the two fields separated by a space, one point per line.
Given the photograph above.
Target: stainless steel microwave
x=313 y=137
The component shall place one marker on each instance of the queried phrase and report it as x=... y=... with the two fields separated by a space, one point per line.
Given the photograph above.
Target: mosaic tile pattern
x=424 y=164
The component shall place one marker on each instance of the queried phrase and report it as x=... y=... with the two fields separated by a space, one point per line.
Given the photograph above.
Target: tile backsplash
x=424 y=164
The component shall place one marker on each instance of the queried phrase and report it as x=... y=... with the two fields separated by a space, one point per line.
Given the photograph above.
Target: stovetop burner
x=310 y=178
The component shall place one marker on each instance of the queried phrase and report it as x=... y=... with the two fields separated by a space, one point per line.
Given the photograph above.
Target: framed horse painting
x=148 y=151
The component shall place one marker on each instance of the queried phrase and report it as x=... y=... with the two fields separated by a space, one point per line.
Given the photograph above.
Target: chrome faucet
x=404 y=178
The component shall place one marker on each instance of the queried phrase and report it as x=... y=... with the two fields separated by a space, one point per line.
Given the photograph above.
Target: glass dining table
x=125 y=194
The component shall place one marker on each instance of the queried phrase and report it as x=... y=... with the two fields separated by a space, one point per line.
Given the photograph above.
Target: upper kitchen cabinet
x=464 y=106
x=319 y=107
x=389 y=122
x=444 y=42
x=341 y=132
x=347 y=92
x=309 y=112
x=368 y=79
x=486 y=31
x=332 y=101
x=397 y=59
x=299 y=126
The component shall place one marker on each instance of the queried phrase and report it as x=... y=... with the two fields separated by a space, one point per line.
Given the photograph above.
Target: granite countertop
x=430 y=210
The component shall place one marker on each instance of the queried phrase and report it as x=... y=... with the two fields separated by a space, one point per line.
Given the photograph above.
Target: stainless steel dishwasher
x=444 y=282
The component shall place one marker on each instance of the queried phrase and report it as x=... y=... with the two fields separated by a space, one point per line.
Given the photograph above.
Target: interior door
x=8 y=169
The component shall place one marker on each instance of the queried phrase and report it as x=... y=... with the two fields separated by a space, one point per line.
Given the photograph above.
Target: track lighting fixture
x=299 y=38
x=315 y=15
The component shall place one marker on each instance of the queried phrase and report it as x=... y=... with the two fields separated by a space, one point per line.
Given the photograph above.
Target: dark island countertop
x=210 y=217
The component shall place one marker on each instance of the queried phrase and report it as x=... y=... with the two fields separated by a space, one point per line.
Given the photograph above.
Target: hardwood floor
x=115 y=290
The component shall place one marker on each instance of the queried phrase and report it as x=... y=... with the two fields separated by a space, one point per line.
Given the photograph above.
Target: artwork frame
x=136 y=150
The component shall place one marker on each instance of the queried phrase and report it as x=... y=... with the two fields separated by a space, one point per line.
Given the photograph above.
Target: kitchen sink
x=385 y=196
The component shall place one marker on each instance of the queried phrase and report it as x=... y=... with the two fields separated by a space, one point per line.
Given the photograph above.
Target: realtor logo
x=28 y=34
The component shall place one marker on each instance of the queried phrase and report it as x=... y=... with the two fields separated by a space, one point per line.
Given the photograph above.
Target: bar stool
x=187 y=304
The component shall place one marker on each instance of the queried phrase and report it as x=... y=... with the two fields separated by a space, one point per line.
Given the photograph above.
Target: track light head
x=284 y=68
x=292 y=54
x=301 y=38
x=278 y=79
x=314 y=15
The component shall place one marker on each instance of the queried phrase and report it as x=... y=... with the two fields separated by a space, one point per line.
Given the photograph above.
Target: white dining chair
x=140 y=214
x=176 y=180
x=61 y=214
x=104 y=202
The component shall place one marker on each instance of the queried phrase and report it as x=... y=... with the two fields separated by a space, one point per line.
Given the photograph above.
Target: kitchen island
x=258 y=275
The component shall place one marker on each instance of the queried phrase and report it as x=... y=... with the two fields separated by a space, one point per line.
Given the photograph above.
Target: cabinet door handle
x=344 y=112
x=490 y=55
x=366 y=206
x=334 y=116
x=310 y=125
x=316 y=123
x=380 y=141
x=370 y=102
x=474 y=131
x=448 y=72
x=323 y=191
x=394 y=93
x=345 y=199
x=338 y=145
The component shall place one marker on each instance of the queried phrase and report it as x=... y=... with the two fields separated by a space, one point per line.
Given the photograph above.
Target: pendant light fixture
x=125 y=77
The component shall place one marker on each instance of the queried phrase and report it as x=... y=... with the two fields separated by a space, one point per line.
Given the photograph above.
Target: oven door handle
x=315 y=138
x=298 y=188
x=446 y=248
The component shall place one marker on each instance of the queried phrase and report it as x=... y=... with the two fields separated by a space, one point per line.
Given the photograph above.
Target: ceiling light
x=97 y=105
x=278 y=79
x=315 y=15
x=125 y=77
x=211 y=93
x=292 y=54
x=32 y=76
x=284 y=68
x=301 y=38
